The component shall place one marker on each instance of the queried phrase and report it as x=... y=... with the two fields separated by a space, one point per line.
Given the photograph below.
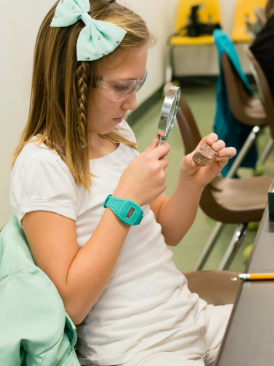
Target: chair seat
x=250 y=112
x=255 y=112
x=215 y=287
x=242 y=195
x=190 y=41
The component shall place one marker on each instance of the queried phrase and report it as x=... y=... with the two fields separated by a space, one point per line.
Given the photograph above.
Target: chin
x=106 y=130
x=109 y=127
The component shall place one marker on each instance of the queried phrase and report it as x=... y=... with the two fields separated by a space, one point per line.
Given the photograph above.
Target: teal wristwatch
x=127 y=211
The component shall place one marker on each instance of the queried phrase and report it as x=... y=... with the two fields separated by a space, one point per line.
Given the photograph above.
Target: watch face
x=130 y=212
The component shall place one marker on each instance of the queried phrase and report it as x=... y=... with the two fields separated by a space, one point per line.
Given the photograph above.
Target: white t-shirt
x=146 y=298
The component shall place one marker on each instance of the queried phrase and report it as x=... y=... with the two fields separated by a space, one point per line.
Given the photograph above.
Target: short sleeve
x=41 y=184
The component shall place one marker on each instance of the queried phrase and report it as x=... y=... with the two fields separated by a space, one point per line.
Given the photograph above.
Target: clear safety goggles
x=118 y=90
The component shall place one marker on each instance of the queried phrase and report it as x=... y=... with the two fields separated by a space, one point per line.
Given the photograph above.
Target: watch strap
x=127 y=211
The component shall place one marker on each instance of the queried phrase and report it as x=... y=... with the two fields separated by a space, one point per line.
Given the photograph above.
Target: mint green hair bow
x=97 y=39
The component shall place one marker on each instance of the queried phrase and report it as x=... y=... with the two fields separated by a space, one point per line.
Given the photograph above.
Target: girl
x=107 y=255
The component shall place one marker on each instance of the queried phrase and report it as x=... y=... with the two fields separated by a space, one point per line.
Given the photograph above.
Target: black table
x=249 y=339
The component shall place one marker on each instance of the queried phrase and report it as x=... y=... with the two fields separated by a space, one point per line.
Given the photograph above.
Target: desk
x=249 y=338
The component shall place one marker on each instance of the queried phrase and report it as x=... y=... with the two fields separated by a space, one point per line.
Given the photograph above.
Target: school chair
x=266 y=99
x=245 y=13
x=209 y=13
x=247 y=109
x=226 y=200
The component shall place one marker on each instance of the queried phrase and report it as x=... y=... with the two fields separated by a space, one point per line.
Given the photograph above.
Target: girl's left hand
x=201 y=176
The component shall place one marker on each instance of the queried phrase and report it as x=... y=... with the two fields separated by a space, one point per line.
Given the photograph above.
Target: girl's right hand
x=145 y=177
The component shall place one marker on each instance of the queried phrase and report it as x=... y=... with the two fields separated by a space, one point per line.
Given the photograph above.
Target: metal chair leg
x=244 y=150
x=266 y=151
x=233 y=247
x=209 y=246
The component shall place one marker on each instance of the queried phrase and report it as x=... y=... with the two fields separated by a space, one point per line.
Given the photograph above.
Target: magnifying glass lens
x=168 y=113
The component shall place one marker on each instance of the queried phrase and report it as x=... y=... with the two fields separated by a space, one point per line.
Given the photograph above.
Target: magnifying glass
x=168 y=113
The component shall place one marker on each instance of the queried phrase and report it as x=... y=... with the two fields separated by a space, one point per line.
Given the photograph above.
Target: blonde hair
x=60 y=86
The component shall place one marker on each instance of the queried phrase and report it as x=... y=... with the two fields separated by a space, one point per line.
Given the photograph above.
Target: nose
x=130 y=103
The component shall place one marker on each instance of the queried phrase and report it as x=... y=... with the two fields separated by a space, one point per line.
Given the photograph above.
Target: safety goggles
x=118 y=90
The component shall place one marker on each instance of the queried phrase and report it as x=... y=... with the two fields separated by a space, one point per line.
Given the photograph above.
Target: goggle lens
x=118 y=90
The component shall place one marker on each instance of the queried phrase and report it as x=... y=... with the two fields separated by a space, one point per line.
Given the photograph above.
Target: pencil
x=256 y=276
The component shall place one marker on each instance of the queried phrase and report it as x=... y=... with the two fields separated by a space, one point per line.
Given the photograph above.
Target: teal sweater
x=227 y=127
x=34 y=327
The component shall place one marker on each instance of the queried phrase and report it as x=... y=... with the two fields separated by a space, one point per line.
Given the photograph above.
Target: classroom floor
x=202 y=103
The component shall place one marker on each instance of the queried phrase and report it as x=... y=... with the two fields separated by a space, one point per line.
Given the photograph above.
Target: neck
x=99 y=146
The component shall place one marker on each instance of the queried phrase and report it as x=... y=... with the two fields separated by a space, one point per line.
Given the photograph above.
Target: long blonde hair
x=61 y=86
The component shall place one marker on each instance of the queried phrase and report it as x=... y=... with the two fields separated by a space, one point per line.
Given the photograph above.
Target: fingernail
x=210 y=140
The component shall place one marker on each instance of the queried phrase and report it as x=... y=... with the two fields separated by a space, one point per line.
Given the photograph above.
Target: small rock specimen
x=205 y=155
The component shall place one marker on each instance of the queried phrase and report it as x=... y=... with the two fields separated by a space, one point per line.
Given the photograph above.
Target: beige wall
x=24 y=18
